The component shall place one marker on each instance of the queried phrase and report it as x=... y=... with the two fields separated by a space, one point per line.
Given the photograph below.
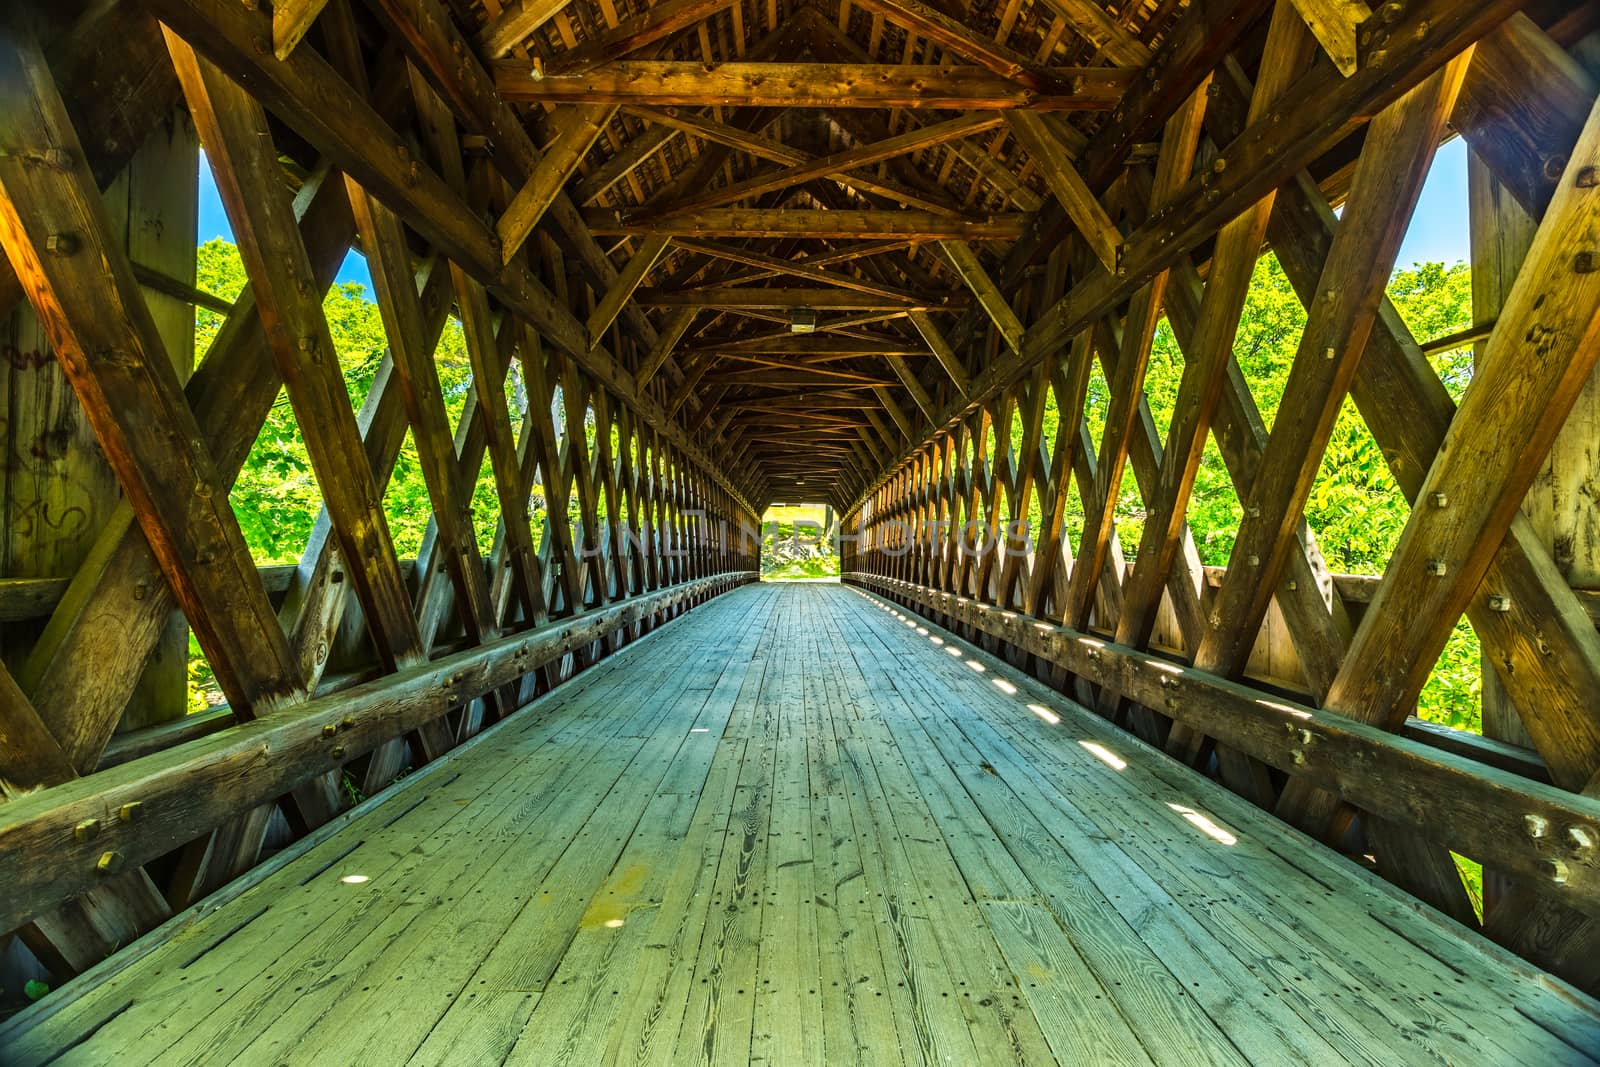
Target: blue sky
x=1438 y=230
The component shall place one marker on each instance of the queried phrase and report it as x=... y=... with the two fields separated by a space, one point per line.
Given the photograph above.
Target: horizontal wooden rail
x=59 y=843
x=1530 y=831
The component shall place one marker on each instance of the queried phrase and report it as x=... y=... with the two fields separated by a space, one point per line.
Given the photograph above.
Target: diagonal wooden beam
x=801 y=268
x=709 y=129
x=389 y=259
x=630 y=278
x=1516 y=405
x=241 y=152
x=313 y=100
x=1336 y=23
x=290 y=21
x=908 y=378
x=1399 y=149
x=823 y=166
x=1204 y=377
x=886 y=398
x=1089 y=20
x=577 y=129
x=677 y=324
x=54 y=228
x=933 y=24
x=988 y=294
x=30 y=758
x=515 y=23
x=631 y=34
x=1176 y=159
x=1069 y=188
x=118 y=598
x=941 y=349
x=629 y=158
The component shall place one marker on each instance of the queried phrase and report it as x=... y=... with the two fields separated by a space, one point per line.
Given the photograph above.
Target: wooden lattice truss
x=974 y=205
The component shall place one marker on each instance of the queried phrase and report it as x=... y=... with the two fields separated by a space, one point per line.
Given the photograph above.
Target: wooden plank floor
x=798 y=827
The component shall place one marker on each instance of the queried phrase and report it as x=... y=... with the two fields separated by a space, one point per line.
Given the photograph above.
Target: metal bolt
x=1255 y=561
x=1440 y=500
x=109 y=863
x=1499 y=602
x=1536 y=825
x=1557 y=871
x=87 y=830
x=1580 y=837
x=1390 y=13
x=328 y=729
x=130 y=811
x=61 y=244
x=140 y=590
x=1437 y=568
x=1219 y=165
x=1293 y=585
x=346 y=723
x=1330 y=353
x=1585 y=263
x=338 y=752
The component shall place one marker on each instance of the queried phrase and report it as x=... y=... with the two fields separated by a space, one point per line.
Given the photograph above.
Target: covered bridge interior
x=562 y=780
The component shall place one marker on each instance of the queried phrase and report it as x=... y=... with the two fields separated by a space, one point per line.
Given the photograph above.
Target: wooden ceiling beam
x=926 y=21
x=516 y=23
x=709 y=129
x=731 y=136
x=808 y=85
x=827 y=225
x=628 y=281
x=798 y=268
x=941 y=349
x=577 y=129
x=820 y=298
x=835 y=164
x=1090 y=20
x=1068 y=186
x=290 y=21
x=809 y=344
x=631 y=34
x=630 y=157
x=983 y=287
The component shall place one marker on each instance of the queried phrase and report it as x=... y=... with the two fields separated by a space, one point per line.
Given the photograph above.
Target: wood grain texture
x=799 y=829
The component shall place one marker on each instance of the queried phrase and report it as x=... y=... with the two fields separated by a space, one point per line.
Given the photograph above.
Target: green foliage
x=793 y=545
x=1355 y=509
x=276 y=496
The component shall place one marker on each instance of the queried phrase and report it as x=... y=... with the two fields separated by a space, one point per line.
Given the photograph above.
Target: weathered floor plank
x=805 y=827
